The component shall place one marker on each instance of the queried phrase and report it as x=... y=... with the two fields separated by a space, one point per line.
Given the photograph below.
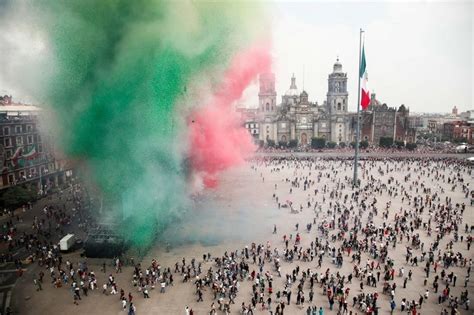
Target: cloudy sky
x=418 y=53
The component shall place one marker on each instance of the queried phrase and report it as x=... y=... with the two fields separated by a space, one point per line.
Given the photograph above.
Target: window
x=283 y=125
x=32 y=172
x=251 y=125
x=38 y=138
x=40 y=148
x=29 y=128
x=18 y=129
x=29 y=139
x=6 y=131
x=8 y=153
x=22 y=174
x=267 y=107
x=19 y=141
x=338 y=106
x=7 y=142
x=11 y=179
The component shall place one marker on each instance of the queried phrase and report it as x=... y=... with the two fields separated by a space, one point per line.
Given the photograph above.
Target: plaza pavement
x=244 y=199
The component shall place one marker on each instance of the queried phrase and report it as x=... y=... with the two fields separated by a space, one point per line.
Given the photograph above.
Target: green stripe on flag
x=362 y=63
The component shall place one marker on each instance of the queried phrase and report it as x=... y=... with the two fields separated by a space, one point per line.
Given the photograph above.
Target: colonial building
x=295 y=117
x=461 y=131
x=26 y=155
x=382 y=121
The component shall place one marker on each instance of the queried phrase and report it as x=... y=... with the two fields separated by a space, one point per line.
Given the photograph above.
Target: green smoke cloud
x=120 y=69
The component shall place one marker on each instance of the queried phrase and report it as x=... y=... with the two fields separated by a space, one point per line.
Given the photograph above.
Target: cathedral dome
x=293 y=90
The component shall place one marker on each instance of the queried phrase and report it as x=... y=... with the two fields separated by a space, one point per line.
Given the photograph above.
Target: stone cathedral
x=296 y=118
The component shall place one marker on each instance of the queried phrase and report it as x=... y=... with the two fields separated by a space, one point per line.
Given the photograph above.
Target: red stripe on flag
x=365 y=99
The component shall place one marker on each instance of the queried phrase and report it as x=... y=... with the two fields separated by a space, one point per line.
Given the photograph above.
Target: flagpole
x=356 y=155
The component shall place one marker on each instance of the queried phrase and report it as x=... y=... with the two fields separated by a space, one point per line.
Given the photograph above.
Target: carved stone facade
x=296 y=118
x=388 y=122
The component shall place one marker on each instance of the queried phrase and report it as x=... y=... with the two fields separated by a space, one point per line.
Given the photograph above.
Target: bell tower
x=267 y=93
x=337 y=90
x=337 y=104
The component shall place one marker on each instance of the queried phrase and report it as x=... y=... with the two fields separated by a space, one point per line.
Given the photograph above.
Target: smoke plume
x=122 y=75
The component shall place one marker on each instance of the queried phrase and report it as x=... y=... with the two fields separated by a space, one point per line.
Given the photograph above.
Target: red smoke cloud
x=217 y=138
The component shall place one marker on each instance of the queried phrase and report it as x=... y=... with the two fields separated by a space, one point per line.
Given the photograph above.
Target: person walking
x=132 y=309
x=393 y=305
x=124 y=303
x=38 y=285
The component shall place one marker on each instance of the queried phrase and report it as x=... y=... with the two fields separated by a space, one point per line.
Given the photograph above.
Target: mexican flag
x=16 y=156
x=364 y=93
x=31 y=155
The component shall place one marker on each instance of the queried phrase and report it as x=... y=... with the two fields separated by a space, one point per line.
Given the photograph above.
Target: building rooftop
x=19 y=109
x=9 y=107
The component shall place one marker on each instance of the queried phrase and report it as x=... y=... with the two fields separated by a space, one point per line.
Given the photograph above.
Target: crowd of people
x=397 y=241
x=416 y=150
x=354 y=229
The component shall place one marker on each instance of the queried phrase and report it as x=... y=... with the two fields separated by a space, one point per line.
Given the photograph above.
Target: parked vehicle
x=67 y=242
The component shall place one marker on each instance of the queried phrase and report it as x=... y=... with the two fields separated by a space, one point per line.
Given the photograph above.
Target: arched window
x=267 y=107
x=338 y=106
